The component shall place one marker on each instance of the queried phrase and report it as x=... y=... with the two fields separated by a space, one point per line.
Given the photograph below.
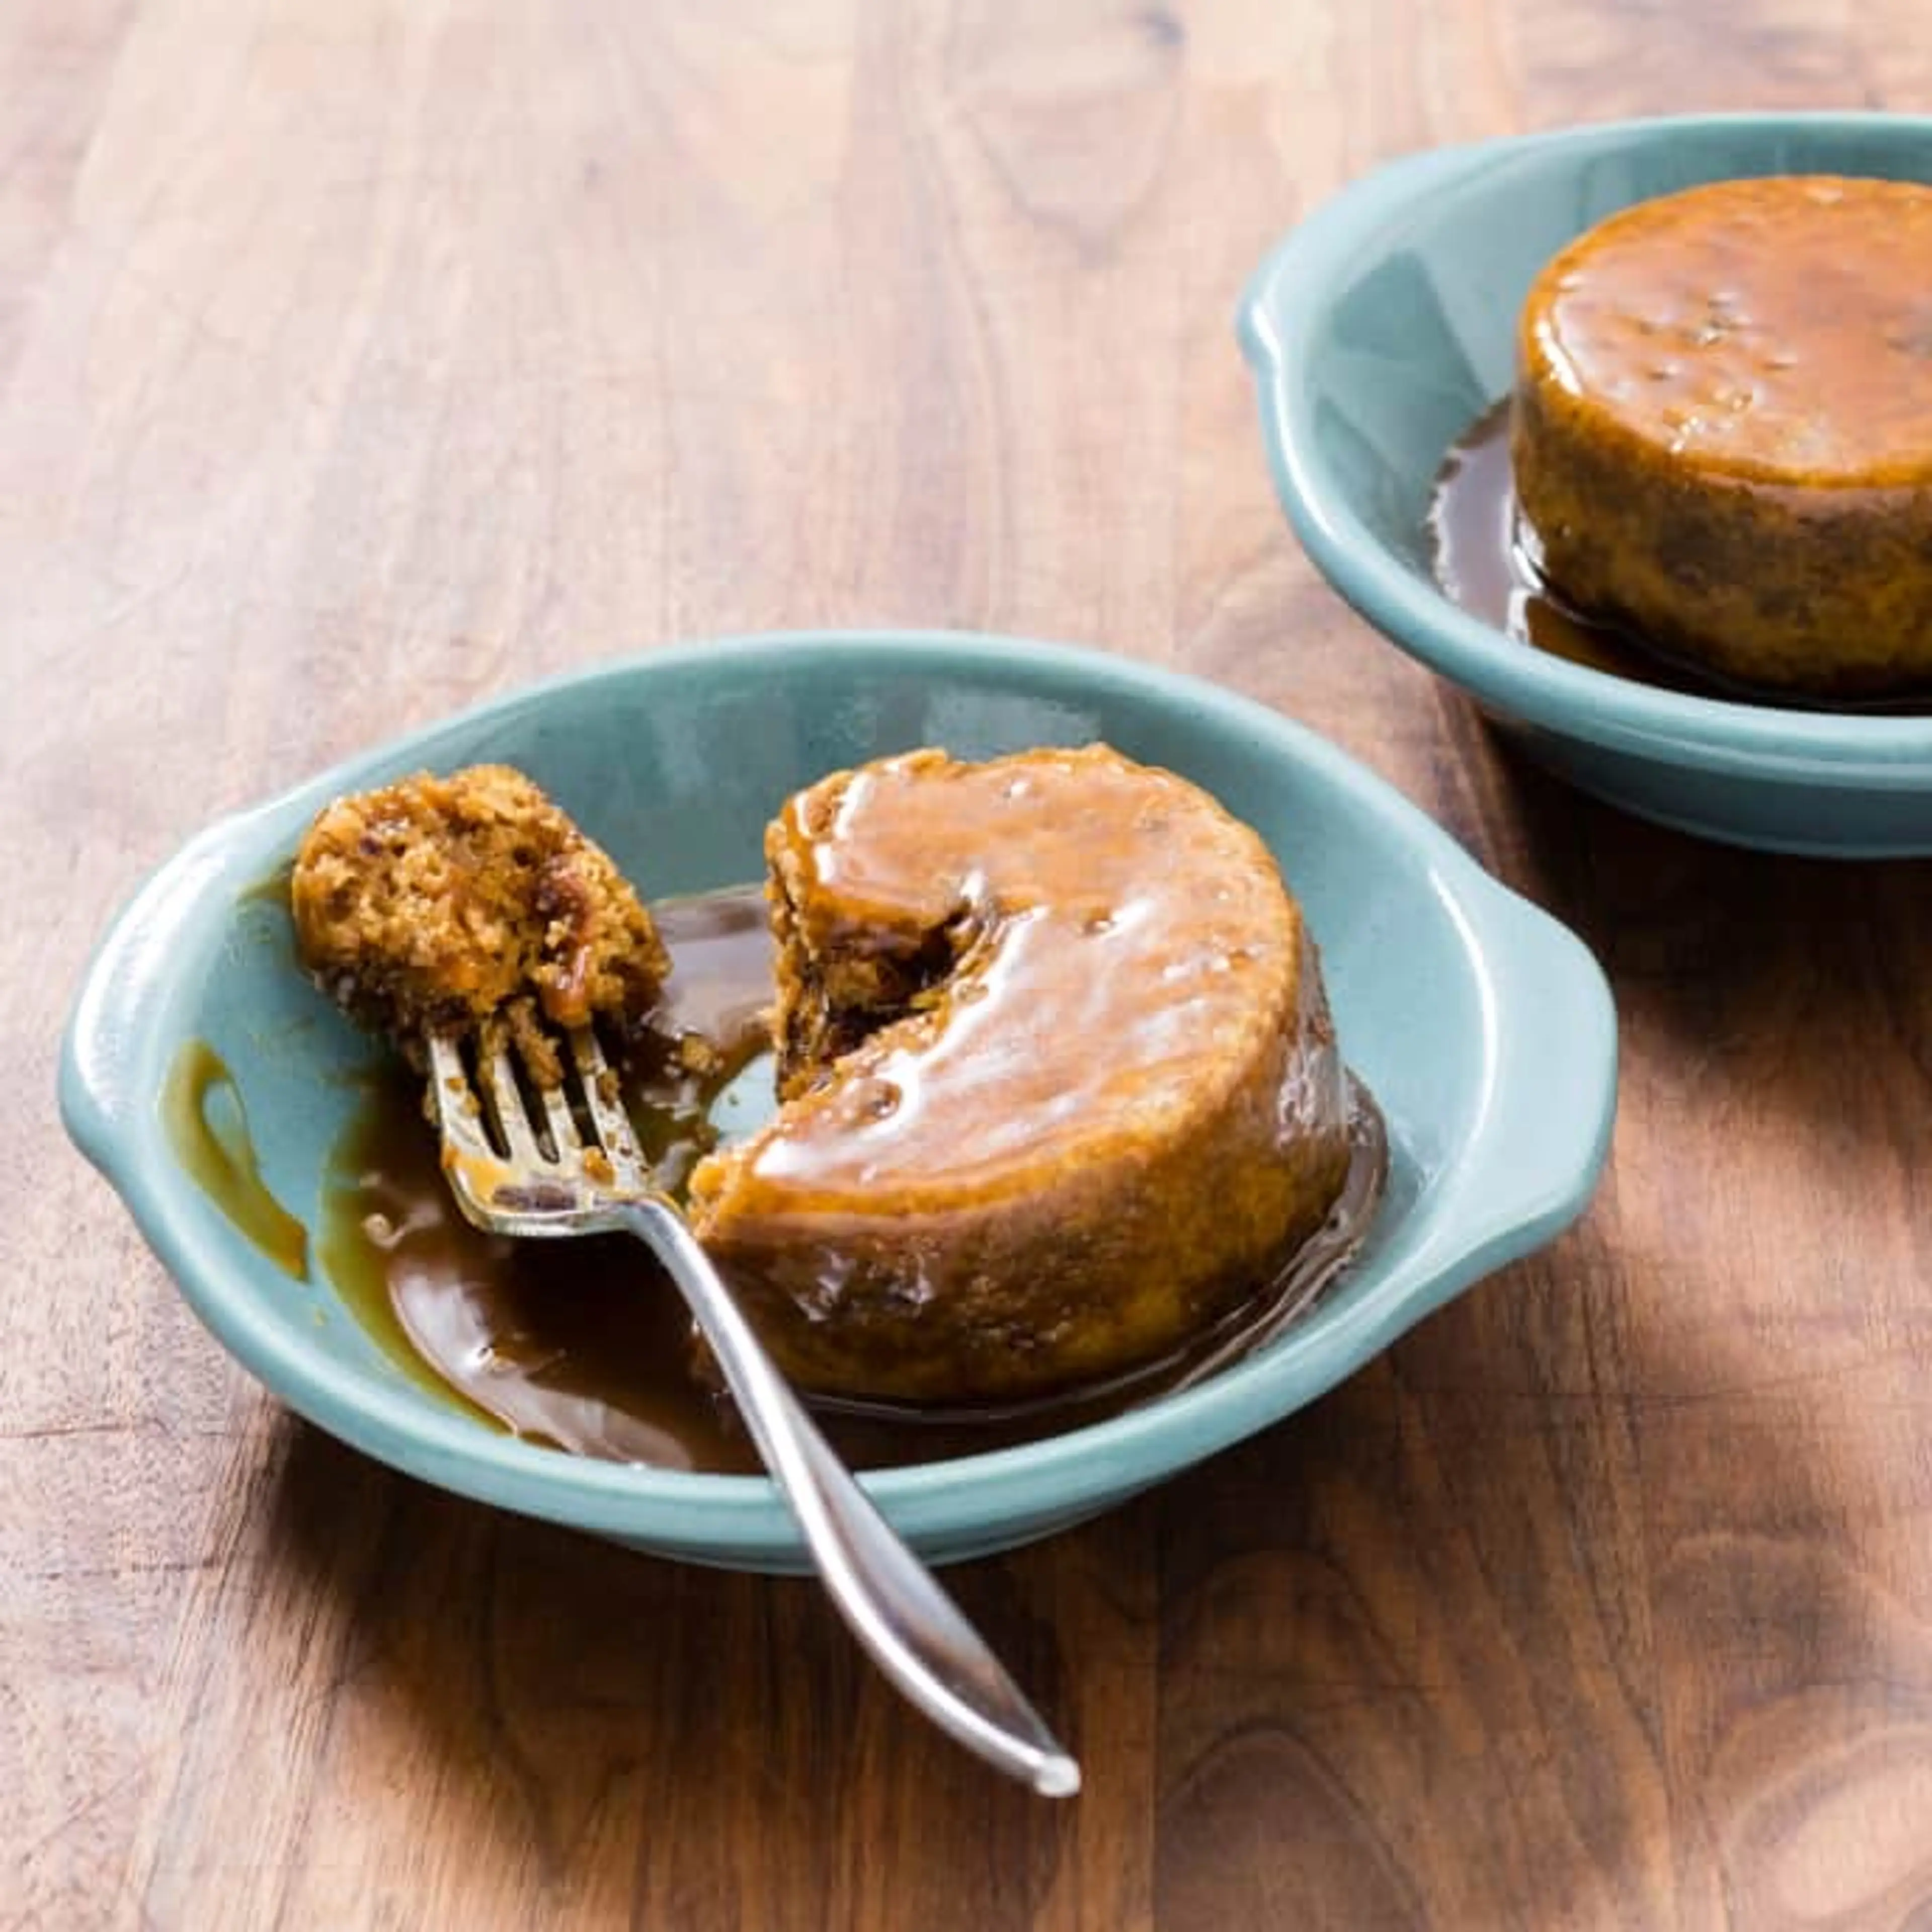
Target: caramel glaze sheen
x=1100 y=1096
x=1722 y=435
x=585 y=1346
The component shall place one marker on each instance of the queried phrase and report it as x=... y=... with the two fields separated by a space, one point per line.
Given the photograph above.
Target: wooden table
x=358 y=358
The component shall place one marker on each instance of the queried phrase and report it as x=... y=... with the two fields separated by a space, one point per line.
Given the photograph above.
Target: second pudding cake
x=1060 y=1088
x=1722 y=433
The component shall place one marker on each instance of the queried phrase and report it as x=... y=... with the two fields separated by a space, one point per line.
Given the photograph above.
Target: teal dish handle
x=109 y=1070
x=1311 y=243
x=1543 y=1134
x=1530 y=1160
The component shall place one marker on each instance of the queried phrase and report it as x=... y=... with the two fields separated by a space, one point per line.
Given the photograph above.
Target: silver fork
x=889 y=1600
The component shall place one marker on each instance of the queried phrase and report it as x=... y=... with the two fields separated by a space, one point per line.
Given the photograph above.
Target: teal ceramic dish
x=1384 y=325
x=1482 y=1027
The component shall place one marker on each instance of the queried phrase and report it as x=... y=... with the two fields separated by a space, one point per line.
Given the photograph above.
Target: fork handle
x=891 y=1602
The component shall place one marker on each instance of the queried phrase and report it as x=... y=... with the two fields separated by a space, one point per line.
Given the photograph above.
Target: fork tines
x=605 y=1105
x=537 y=1119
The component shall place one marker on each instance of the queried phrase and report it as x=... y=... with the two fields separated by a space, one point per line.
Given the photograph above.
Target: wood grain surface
x=357 y=358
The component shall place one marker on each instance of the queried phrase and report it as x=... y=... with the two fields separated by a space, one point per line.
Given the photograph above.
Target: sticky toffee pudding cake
x=1059 y=1083
x=453 y=903
x=1722 y=437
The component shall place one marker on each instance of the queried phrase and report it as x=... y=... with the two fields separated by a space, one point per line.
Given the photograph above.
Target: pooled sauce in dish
x=585 y=1346
x=202 y=1108
x=1484 y=559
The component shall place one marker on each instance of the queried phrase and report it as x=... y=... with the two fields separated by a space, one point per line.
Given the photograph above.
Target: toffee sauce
x=1483 y=554
x=208 y=1128
x=585 y=1346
